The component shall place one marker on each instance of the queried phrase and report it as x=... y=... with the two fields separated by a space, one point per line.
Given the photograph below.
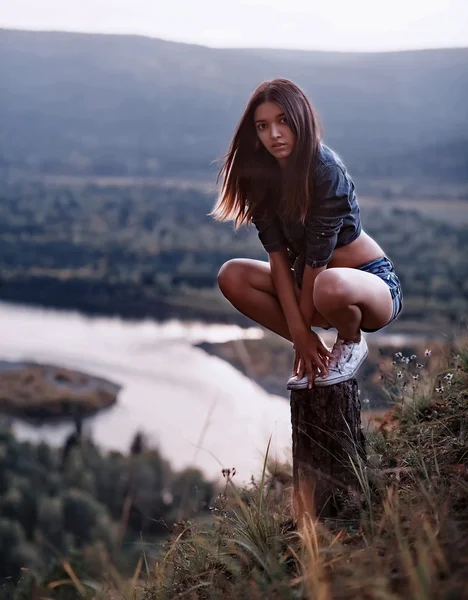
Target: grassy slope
x=403 y=535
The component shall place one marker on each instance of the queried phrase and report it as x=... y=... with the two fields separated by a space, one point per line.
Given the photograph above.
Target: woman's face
x=273 y=131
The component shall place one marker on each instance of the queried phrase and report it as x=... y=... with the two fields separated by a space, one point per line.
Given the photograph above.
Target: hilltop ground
x=403 y=534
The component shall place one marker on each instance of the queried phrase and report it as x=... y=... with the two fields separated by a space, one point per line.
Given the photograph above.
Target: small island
x=44 y=392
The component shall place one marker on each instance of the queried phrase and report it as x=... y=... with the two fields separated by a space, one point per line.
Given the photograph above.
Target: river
x=196 y=408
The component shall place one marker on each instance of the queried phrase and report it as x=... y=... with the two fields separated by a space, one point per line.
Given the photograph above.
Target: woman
x=323 y=269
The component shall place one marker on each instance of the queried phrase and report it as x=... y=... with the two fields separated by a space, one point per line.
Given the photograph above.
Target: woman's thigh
x=237 y=273
x=341 y=286
x=240 y=272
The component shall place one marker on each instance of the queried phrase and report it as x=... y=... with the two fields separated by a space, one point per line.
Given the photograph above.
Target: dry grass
x=404 y=536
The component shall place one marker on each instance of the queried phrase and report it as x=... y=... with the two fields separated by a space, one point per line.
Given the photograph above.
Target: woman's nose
x=274 y=132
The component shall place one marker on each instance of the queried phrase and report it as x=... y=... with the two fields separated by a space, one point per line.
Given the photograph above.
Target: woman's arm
x=284 y=283
x=333 y=195
x=306 y=303
x=311 y=355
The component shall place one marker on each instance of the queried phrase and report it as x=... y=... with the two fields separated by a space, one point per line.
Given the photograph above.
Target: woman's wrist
x=308 y=311
x=300 y=333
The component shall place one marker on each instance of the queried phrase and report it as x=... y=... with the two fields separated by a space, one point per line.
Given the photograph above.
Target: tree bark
x=327 y=437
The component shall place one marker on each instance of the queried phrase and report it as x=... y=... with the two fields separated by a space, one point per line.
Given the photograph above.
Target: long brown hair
x=253 y=182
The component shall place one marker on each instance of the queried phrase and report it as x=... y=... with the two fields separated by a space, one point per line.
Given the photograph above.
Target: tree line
x=152 y=251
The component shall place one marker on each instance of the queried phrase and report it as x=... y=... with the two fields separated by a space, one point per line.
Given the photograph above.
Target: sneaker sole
x=293 y=386
x=341 y=378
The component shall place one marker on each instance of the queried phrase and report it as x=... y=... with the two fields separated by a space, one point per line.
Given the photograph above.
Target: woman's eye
x=283 y=120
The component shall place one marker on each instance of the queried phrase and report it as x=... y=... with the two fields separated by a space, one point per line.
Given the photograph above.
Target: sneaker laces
x=340 y=352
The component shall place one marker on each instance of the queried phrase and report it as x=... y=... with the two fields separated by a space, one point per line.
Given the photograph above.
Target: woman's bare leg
x=350 y=298
x=248 y=286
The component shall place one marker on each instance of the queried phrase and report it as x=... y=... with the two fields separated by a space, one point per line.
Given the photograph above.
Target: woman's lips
x=276 y=146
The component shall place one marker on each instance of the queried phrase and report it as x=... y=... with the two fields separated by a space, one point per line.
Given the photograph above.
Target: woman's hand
x=311 y=356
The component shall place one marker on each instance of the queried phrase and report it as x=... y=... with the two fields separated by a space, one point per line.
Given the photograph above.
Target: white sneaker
x=297 y=384
x=301 y=384
x=346 y=359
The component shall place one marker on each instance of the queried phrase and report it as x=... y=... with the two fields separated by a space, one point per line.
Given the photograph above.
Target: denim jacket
x=332 y=221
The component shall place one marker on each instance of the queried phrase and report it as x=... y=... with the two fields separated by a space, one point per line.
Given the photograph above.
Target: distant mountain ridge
x=124 y=104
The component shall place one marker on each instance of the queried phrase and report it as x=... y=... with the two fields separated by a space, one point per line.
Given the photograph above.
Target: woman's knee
x=331 y=290
x=231 y=276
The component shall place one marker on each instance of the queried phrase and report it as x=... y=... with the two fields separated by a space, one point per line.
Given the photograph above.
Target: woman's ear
x=257 y=144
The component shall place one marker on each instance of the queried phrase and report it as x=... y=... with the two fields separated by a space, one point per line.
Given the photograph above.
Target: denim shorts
x=383 y=268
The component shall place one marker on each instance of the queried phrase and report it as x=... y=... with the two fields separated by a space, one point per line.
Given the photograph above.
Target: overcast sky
x=306 y=24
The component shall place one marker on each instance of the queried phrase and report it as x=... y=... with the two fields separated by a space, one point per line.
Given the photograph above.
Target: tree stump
x=327 y=437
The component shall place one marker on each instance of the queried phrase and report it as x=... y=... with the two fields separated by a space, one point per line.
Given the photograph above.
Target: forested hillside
x=117 y=105
x=149 y=250
x=76 y=499
x=92 y=128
